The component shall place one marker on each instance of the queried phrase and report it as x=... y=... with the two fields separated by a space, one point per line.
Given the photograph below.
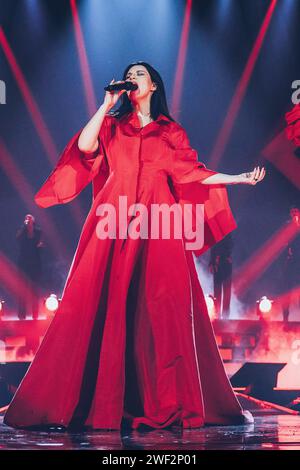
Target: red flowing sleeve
x=75 y=169
x=186 y=174
x=293 y=125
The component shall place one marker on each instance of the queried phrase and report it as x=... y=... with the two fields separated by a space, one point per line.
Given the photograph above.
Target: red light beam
x=280 y=152
x=242 y=86
x=36 y=116
x=177 y=89
x=263 y=258
x=25 y=192
x=11 y=278
x=83 y=60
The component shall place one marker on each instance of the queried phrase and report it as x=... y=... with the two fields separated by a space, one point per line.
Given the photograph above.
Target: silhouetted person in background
x=291 y=264
x=29 y=263
x=221 y=267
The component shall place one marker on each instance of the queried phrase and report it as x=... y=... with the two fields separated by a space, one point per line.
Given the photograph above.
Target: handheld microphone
x=129 y=86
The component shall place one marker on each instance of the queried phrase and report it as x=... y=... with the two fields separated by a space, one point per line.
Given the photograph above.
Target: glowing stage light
x=264 y=305
x=210 y=303
x=52 y=303
x=224 y=10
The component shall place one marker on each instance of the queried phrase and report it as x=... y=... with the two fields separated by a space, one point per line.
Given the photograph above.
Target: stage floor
x=279 y=432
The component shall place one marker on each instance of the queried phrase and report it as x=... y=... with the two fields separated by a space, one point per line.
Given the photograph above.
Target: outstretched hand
x=254 y=177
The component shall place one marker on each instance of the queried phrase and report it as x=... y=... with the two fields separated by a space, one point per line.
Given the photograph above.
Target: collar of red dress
x=132 y=118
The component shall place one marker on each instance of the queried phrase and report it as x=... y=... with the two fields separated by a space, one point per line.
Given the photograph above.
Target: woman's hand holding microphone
x=111 y=97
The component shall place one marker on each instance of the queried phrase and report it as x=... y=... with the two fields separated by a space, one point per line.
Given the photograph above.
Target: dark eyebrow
x=129 y=73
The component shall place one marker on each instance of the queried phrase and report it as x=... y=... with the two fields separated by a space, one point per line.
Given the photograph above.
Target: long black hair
x=158 y=103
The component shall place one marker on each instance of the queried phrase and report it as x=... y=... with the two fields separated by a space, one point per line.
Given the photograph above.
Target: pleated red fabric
x=132 y=338
x=293 y=125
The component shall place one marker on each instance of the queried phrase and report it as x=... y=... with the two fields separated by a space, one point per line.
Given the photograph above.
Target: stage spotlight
x=224 y=10
x=264 y=306
x=52 y=303
x=210 y=303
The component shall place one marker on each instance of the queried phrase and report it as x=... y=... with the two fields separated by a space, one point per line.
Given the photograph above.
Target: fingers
x=257 y=175
x=262 y=174
x=253 y=176
x=116 y=93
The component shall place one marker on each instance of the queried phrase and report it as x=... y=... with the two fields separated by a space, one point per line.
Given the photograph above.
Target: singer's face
x=139 y=74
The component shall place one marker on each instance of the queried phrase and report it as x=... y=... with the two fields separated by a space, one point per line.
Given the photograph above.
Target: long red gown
x=132 y=337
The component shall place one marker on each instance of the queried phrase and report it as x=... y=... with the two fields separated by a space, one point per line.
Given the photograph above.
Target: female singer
x=132 y=340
